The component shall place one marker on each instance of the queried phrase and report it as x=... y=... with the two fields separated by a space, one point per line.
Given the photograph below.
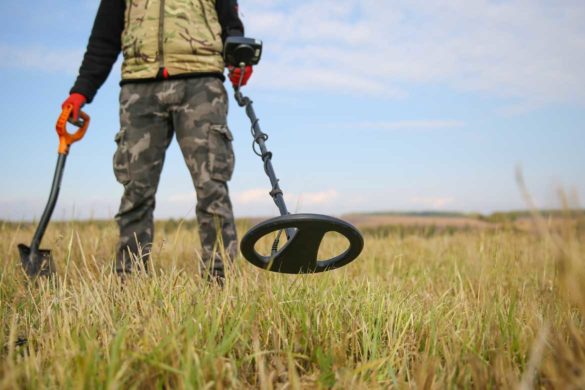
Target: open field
x=452 y=221
x=473 y=307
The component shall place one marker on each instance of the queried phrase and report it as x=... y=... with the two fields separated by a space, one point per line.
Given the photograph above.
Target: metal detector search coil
x=304 y=232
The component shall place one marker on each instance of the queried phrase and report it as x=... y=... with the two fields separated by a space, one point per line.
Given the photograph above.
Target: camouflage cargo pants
x=195 y=110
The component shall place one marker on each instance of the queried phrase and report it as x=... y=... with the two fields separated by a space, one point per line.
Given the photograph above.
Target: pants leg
x=206 y=144
x=145 y=133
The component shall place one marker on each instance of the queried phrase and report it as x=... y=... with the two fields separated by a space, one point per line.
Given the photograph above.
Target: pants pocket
x=121 y=160
x=221 y=159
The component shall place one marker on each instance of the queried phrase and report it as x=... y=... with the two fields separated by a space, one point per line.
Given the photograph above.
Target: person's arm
x=227 y=13
x=231 y=25
x=103 y=48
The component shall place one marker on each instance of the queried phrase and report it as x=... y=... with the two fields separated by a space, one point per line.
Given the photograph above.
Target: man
x=172 y=82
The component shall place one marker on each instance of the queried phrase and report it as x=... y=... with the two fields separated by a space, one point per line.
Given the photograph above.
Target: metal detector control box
x=241 y=50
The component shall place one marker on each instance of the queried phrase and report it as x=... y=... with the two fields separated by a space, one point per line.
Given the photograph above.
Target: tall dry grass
x=474 y=309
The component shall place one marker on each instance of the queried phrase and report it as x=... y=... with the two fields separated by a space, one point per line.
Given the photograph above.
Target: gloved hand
x=235 y=74
x=77 y=100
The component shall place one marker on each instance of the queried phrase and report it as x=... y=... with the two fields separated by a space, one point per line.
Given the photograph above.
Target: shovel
x=39 y=262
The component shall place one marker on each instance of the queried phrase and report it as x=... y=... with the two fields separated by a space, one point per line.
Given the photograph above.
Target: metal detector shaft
x=259 y=138
x=46 y=217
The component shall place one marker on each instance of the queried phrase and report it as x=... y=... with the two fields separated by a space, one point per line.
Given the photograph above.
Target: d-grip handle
x=66 y=138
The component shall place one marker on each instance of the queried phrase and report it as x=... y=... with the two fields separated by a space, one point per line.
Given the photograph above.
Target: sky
x=370 y=106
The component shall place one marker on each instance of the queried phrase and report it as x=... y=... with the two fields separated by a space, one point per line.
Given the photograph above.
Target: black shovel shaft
x=46 y=217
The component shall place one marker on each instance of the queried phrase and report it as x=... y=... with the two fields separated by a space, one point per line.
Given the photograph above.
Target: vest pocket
x=139 y=37
x=205 y=19
x=220 y=159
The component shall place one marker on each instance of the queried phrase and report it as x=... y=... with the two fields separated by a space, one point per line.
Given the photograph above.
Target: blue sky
x=370 y=105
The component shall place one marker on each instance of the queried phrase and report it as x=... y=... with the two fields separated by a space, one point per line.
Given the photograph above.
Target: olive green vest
x=183 y=36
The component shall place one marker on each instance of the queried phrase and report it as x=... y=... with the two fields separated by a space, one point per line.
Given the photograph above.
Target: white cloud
x=432 y=202
x=257 y=201
x=261 y=195
x=31 y=208
x=182 y=198
x=317 y=198
x=256 y=195
x=39 y=58
x=527 y=50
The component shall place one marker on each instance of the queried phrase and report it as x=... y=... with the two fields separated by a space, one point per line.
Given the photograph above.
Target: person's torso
x=183 y=36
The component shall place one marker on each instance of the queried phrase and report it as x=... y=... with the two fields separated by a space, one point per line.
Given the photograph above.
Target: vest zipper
x=205 y=18
x=161 y=22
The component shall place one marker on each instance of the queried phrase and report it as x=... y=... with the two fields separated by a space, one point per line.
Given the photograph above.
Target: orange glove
x=77 y=100
x=235 y=74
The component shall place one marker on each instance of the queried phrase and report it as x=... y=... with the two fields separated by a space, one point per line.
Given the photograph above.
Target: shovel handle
x=66 y=138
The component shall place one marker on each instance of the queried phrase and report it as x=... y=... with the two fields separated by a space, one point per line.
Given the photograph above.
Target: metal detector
x=304 y=232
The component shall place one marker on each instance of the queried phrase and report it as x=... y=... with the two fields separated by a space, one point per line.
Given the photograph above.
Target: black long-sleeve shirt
x=105 y=42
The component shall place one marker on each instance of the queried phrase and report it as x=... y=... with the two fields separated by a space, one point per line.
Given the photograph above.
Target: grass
x=470 y=308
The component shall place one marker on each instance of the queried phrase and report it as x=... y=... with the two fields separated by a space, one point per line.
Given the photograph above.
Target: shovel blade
x=36 y=263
